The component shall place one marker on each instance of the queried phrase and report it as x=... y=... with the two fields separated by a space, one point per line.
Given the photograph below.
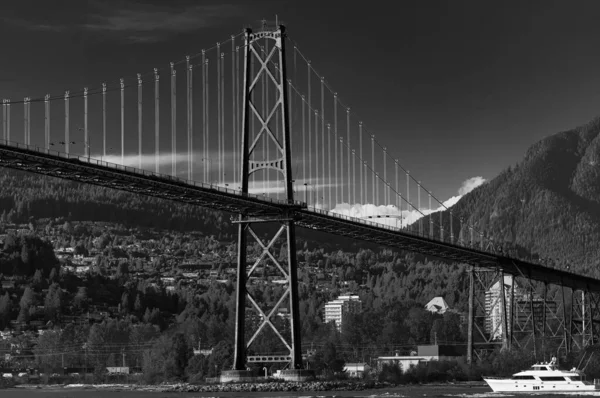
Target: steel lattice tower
x=279 y=161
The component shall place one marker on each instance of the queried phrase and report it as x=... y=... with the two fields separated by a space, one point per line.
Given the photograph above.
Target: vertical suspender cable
x=4 y=119
x=8 y=118
x=353 y=176
x=290 y=117
x=362 y=183
x=329 y=164
x=219 y=129
x=451 y=229
x=348 y=146
x=373 y=165
x=233 y=110
x=385 y=188
x=86 y=140
x=139 y=78
x=47 y=122
x=207 y=121
x=66 y=122
x=204 y=118
x=304 y=140
x=223 y=115
x=408 y=203
x=419 y=207
x=442 y=228
x=190 y=115
x=156 y=122
x=430 y=219
x=103 y=120
x=263 y=79
x=316 y=183
x=336 y=141
x=323 y=133
x=173 y=122
x=342 y=168
x=335 y=152
x=25 y=140
x=238 y=129
x=122 y=121
x=309 y=127
x=377 y=187
x=398 y=197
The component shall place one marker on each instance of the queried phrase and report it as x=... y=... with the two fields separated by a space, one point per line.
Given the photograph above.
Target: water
x=396 y=392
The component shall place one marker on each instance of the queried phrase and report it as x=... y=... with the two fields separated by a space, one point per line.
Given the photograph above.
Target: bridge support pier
x=585 y=318
x=267 y=328
x=526 y=315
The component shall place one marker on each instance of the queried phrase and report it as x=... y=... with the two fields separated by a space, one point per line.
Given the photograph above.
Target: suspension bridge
x=250 y=127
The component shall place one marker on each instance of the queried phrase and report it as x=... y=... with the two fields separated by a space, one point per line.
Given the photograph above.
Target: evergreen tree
x=53 y=302
x=27 y=299
x=125 y=302
x=5 y=310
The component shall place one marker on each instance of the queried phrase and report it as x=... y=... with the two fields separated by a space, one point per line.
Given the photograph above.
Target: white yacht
x=543 y=377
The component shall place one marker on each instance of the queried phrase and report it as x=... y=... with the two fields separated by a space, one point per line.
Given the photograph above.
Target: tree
x=27 y=299
x=180 y=354
x=5 y=310
x=53 y=276
x=137 y=306
x=125 y=302
x=47 y=351
x=38 y=279
x=81 y=298
x=53 y=302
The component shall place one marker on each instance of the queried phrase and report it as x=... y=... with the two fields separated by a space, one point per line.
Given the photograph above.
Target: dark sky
x=455 y=89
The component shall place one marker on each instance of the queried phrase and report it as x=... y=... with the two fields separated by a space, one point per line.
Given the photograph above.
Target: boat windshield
x=541 y=367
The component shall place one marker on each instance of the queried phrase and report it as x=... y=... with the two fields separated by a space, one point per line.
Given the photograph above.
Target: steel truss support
x=585 y=319
x=539 y=321
x=488 y=311
x=273 y=123
x=524 y=314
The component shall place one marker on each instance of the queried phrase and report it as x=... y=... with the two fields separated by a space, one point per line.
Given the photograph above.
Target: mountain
x=547 y=206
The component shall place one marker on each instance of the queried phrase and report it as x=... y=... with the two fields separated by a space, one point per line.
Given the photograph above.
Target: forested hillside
x=547 y=206
x=25 y=195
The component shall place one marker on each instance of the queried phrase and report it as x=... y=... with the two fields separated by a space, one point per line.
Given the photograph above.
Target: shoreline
x=242 y=387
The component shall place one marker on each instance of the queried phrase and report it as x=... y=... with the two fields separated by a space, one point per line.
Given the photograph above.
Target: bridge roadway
x=92 y=171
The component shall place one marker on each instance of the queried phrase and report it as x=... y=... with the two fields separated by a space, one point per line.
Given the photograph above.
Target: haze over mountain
x=548 y=205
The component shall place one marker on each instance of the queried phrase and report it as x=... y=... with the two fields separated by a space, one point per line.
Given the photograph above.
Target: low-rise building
x=357 y=370
x=424 y=353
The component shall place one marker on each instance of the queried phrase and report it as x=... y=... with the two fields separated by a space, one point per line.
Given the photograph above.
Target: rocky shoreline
x=228 y=387
x=235 y=387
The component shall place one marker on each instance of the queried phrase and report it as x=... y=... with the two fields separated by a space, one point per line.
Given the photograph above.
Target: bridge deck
x=93 y=171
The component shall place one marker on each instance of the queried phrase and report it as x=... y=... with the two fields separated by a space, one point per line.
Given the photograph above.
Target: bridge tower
x=265 y=66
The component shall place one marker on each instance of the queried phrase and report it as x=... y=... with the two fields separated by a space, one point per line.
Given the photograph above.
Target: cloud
x=392 y=216
x=470 y=184
x=128 y=21
x=145 y=24
x=34 y=25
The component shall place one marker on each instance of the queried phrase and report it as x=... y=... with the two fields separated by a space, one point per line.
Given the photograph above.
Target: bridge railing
x=148 y=173
x=422 y=234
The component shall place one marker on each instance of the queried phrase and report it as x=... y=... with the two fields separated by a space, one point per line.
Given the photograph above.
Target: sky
x=457 y=90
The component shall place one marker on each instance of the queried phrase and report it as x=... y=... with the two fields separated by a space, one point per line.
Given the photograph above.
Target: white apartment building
x=493 y=308
x=336 y=310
